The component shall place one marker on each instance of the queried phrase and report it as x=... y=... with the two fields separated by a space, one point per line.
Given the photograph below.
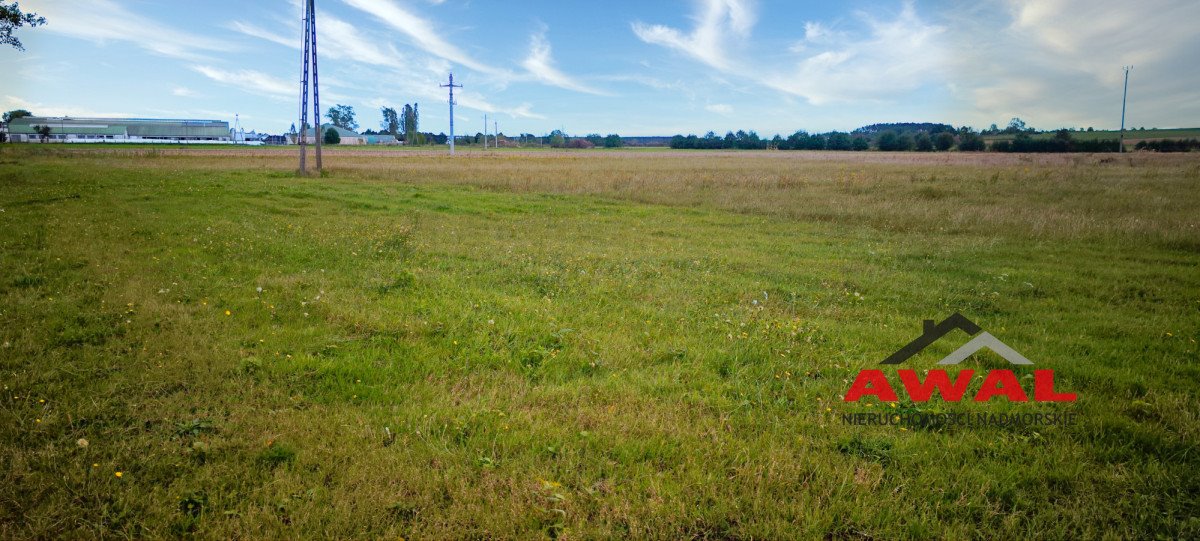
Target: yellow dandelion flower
x=119 y=474
x=228 y=313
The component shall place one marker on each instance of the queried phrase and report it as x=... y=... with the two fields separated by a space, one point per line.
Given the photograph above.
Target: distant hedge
x=1169 y=145
x=1062 y=142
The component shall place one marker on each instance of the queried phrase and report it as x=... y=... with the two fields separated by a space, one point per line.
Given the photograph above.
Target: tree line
x=877 y=136
x=921 y=137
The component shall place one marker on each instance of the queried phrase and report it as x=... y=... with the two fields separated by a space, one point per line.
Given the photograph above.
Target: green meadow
x=583 y=345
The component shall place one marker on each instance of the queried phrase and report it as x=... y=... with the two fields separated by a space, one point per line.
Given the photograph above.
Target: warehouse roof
x=142 y=127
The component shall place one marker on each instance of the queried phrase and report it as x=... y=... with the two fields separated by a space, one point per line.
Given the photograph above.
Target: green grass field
x=586 y=345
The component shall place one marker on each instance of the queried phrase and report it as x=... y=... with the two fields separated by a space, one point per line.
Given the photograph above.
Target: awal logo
x=997 y=382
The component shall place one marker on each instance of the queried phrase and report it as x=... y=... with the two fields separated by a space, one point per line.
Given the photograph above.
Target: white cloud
x=897 y=55
x=338 y=40
x=719 y=108
x=183 y=92
x=891 y=56
x=42 y=109
x=259 y=32
x=104 y=21
x=540 y=64
x=251 y=81
x=1116 y=33
x=709 y=39
x=1058 y=62
x=420 y=31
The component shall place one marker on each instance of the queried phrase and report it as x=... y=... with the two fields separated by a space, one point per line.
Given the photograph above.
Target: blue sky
x=634 y=68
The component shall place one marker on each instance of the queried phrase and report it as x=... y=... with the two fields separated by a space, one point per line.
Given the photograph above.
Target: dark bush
x=944 y=141
x=971 y=142
x=838 y=141
x=923 y=142
x=1169 y=145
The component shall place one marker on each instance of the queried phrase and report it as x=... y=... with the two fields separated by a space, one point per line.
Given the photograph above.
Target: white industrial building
x=118 y=130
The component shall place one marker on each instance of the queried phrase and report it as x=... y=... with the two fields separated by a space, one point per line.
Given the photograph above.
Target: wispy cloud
x=719 y=108
x=183 y=92
x=47 y=109
x=893 y=55
x=420 y=31
x=540 y=65
x=250 y=81
x=107 y=21
x=259 y=32
x=716 y=22
x=339 y=40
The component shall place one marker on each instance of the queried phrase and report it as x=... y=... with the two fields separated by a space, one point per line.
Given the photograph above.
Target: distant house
x=382 y=139
x=348 y=137
x=119 y=130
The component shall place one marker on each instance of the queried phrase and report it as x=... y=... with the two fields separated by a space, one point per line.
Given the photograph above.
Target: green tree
x=391 y=121
x=43 y=132
x=860 y=143
x=342 y=116
x=971 y=142
x=613 y=140
x=557 y=139
x=11 y=19
x=409 y=123
x=839 y=141
x=886 y=140
x=944 y=141
x=15 y=114
x=332 y=137
x=923 y=142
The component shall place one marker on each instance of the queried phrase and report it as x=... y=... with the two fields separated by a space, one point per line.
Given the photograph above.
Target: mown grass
x=584 y=345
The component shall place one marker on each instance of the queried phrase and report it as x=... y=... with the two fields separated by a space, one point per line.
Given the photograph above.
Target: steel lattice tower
x=310 y=61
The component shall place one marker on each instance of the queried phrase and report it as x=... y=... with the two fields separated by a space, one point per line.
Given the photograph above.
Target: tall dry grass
x=1138 y=197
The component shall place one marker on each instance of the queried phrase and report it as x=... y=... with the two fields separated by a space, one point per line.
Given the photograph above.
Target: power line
x=451 y=86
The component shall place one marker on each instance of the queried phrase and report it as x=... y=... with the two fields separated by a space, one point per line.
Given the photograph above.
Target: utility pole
x=496 y=134
x=312 y=21
x=451 y=86
x=485 y=131
x=309 y=60
x=1123 y=98
x=303 y=135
